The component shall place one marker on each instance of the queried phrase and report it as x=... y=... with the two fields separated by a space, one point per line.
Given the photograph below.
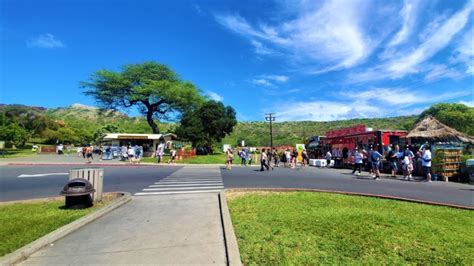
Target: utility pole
x=270 y=117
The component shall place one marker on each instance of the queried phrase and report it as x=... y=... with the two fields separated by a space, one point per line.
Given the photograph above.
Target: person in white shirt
x=264 y=161
x=328 y=158
x=426 y=161
x=358 y=157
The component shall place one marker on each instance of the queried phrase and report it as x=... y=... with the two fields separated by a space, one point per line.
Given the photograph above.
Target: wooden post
x=93 y=175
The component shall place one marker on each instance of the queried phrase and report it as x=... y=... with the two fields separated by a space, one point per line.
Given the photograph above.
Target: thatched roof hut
x=430 y=129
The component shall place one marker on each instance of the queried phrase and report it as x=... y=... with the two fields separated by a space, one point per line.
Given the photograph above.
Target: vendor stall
x=447 y=146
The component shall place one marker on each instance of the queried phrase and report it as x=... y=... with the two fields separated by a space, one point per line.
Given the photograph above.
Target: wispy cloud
x=47 y=40
x=269 y=80
x=329 y=36
x=442 y=71
x=464 y=52
x=376 y=102
x=214 y=96
x=408 y=13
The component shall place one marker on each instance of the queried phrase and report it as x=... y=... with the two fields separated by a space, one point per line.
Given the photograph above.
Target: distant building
x=149 y=142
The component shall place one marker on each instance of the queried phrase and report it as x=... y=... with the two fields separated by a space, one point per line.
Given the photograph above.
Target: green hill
x=83 y=124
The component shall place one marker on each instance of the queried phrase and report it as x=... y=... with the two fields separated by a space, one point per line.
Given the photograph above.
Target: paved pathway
x=182 y=228
x=188 y=179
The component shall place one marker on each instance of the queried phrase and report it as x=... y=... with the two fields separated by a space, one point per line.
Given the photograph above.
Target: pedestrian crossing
x=187 y=180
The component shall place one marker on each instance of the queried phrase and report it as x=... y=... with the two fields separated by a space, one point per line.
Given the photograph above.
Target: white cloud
x=270 y=80
x=437 y=36
x=470 y=104
x=441 y=71
x=262 y=82
x=409 y=63
x=377 y=102
x=214 y=96
x=408 y=13
x=330 y=36
x=464 y=52
x=47 y=40
x=262 y=49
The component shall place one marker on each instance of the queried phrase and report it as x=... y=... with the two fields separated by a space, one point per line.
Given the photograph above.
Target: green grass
x=17 y=153
x=218 y=158
x=301 y=228
x=22 y=223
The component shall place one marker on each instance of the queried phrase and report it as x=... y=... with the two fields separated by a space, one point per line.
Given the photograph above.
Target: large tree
x=208 y=124
x=154 y=88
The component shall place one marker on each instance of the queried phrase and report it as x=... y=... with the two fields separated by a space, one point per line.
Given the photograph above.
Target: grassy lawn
x=201 y=159
x=17 y=153
x=301 y=228
x=22 y=223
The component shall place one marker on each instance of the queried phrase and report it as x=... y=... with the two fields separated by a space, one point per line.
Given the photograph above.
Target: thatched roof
x=431 y=129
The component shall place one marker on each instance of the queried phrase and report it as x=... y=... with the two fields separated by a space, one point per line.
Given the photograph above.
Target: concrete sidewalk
x=164 y=229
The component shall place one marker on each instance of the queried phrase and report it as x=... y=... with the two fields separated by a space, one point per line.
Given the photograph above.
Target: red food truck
x=342 y=142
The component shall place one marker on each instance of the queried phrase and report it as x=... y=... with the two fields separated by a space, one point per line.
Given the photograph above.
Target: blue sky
x=303 y=60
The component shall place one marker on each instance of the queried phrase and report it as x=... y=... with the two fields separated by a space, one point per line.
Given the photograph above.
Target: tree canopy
x=208 y=124
x=152 y=87
x=455 y=115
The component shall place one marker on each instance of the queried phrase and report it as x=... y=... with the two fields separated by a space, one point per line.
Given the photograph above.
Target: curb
x=355 y=194
x=24 y=252
x=230 y=241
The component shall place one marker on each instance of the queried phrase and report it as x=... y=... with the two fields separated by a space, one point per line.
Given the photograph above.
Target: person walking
x=408 y=154
x=294 y=158
x=229 y=157
x=376 y=158
x=243 y=157
x=276 y=158
x=392 y=159
x=328 y=158
x=426 y=161
x=304 y=154
x=358 y=157
x=369 y=161
x=288 y=158
x=264 y=161
x=248 y=155
x=89 y=156
x=172 y=156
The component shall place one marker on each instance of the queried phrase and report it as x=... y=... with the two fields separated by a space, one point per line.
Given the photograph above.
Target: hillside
x=257 y=133
x=84 y=124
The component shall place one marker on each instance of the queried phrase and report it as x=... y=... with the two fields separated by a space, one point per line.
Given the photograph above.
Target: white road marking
x=188 y=182
x=177 y=192
x=38 y=175
x=185 y=185
x=181 y=188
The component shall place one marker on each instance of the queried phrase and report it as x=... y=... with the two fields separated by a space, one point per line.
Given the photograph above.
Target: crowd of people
x=369 y=159
x=397 y=158
x=268 y=158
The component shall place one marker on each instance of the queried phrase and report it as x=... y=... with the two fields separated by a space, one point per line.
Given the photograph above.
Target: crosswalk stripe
x=180 y=188
x=185 y=185
x=185 y=180
x=177 y=192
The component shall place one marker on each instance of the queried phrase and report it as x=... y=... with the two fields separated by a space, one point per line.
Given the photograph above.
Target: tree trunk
x=151 y=123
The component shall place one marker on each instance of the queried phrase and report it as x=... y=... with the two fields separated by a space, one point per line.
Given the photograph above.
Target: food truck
x=361 y=136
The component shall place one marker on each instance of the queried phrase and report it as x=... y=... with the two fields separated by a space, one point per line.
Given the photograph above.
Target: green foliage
x=154 y=88
x=306 y=228
x=208 y=124
x=14 y=134
x=290 y=133
x=455 y=115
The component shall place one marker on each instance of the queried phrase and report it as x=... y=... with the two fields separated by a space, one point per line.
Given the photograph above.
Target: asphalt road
x=117 y=178
x=135 y=178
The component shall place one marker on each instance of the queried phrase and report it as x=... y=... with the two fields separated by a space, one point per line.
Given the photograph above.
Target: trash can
x=94 y=175
x=470 y=170
x=78 y=193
